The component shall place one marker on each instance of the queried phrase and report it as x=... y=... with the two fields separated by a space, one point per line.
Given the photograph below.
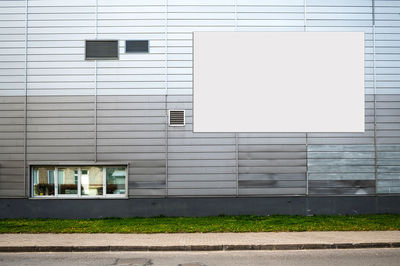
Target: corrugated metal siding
x=343 y=163
x=11 y=146
x=199 y=164
x=126 y=121
x=387 y=28
x=271 y=163
x=133 y=73
x=60 y=128
x=12 y=85
x=57 y=31
x=132 y=129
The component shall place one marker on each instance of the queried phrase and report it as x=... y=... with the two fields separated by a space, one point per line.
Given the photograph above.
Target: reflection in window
x=43 y=181
x=68 y=181
x=92 y=181
x=115 y=180
x=77 y=181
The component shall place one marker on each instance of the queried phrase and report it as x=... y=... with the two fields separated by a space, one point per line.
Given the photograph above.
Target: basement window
x=91 y=181
x=101 y=49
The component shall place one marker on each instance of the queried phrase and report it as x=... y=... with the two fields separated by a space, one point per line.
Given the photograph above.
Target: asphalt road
x=354 y=257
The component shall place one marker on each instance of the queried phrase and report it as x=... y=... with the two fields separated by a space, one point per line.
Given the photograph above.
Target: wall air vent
x=176 y=118
x=101 y=49
x=137 y=46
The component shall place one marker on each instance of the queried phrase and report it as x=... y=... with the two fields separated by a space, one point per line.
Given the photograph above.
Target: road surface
x=354 y=257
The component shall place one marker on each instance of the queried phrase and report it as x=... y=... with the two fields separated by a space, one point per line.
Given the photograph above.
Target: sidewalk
x=197 y=241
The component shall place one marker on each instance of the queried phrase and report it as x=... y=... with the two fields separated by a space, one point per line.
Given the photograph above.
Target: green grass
x=274 y=223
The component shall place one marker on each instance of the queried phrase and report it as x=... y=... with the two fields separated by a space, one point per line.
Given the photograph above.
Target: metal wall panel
x=133 y=73
x=199 y=164
x=12 y=48
x=12 y=146
x=139 y=139
x=387 y=28
x=60 y=128
x=12 y=108
x=116 y=110
x=57 y=31
x=343 y=163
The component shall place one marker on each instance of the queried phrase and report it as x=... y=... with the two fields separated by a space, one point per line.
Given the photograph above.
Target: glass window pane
x=68 y=181
x=92 y=181
x=43 y=180
x=115 y=177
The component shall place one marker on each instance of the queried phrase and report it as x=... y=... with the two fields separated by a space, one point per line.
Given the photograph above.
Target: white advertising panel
x=278 y=82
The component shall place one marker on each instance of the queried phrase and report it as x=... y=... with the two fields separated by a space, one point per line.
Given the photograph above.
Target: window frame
x=79 y=193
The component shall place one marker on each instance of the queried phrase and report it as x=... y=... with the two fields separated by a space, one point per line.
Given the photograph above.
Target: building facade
x=91 y=137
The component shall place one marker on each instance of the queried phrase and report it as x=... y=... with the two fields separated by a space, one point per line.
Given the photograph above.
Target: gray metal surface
x=127 y=122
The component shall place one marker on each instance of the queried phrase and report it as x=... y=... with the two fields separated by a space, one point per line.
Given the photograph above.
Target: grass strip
x=243 y=223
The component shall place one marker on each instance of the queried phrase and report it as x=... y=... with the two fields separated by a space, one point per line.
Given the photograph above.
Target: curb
x=197 y=247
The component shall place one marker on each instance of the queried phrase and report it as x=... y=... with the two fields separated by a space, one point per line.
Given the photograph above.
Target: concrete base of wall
x=98 y=208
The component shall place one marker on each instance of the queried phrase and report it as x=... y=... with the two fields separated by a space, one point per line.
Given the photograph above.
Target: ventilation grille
x=176 y=118
x=101 y=49
x=137 y=46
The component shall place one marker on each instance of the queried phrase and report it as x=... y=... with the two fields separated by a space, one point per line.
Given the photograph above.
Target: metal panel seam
x=95 y=85
x=166 y=96
x=25 y=99
x=306 y=137
x=236 y=134
x=374 y=82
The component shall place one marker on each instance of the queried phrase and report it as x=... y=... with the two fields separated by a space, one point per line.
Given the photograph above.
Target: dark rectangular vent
x=101 y=49
x=137 y=46
x=176 y=117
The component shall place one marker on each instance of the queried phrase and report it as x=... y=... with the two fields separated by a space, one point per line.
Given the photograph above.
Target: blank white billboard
x=278 y=82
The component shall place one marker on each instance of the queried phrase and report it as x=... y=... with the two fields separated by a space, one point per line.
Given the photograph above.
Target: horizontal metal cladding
x=56 y=32
x=12 y=108
x=12 y=146
x=387 y=47
x=12 y=48
x=388 y=143
x=343 y=163
x=350 y=15
x=183 y=18
x=272 y=164
x=143 y=73
x=132 y=129
x=60 y=128
x=387 y=29
x=199 y=164
x=126 y=122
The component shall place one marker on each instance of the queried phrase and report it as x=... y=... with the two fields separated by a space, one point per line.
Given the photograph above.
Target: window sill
x=76 y=198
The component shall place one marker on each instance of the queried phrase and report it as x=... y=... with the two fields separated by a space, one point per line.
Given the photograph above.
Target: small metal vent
x=101 y=49
x=176 y=118
x=137 y=46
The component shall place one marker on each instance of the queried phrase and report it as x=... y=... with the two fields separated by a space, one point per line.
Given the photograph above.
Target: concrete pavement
x=198 y=241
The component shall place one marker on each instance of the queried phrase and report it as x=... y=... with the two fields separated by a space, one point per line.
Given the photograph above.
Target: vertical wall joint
x=306 y=137
x=95 y=85
x=26 y=172
x=166 y=95
x=236 y=133
x=374 y=83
